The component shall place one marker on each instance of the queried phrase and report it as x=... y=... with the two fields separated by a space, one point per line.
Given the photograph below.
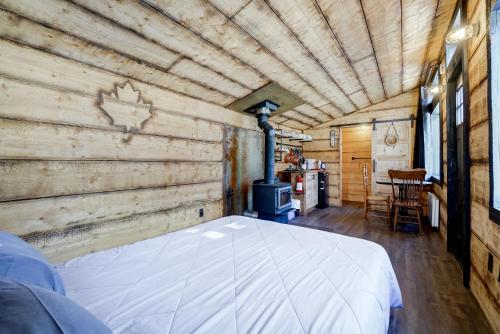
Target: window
x=451 y=48
x=459 y=98
x=494 y=109
x=432 y=143
x=432 y=130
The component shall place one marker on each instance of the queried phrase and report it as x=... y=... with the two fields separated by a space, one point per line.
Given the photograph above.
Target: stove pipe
x=262 y=110
x=262 y=117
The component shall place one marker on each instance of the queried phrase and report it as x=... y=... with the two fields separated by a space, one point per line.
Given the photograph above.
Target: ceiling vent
x=270 y=92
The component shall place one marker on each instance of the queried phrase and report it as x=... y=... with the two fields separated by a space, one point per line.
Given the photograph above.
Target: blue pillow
x=31 y=309
x=22 y=263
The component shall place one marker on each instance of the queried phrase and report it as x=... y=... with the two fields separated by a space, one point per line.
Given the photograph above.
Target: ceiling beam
x=419 y=17
x=294 y=114
x=373 y=49
x=212 y=25
x=309 y=110
x=295 y=125
x=406 y=102
x=25 y=31
x=140 y=18
x=346 y=22
x=258 y=20
x=436 y=44
x=341 y=48
x=306 y=23
x=384 y=22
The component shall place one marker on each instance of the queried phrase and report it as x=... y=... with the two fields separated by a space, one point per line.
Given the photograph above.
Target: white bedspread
x=238 y=275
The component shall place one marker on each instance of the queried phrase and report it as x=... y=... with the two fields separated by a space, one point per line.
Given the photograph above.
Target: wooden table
x=427 y=184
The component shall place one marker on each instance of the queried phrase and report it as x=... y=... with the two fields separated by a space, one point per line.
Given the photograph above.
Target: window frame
x=429 y=108
x=494 y=214
x=459 y=118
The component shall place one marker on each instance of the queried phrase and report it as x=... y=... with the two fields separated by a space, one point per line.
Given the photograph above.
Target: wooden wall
x=356 y=143
x=400 y=106
x=485 y=237
x=73 y=181
x=320 y=149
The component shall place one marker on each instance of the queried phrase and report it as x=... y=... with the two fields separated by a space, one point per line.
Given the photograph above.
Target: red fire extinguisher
x=298 y=184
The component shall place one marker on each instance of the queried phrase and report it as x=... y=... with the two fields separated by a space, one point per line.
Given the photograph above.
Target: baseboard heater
x=433 y=204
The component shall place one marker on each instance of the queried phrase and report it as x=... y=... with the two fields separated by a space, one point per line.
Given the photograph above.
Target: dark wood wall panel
x=485 y=237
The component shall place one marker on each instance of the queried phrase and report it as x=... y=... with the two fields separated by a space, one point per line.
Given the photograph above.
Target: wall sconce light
x=460 y=34
x=434 y=90
x=334 y=138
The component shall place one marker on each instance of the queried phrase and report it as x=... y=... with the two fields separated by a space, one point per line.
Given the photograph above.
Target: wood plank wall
x=71 y=181
x=485 y=237
x=356 y=143
x=400 y=106
x=320 y=149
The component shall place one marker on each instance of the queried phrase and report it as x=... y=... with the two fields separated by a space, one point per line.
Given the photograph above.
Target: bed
x=238 y=275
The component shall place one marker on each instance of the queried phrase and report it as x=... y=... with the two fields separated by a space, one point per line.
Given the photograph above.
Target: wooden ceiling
x=337 y=55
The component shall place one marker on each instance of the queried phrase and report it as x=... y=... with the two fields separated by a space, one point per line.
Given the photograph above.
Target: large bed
x=238 y=275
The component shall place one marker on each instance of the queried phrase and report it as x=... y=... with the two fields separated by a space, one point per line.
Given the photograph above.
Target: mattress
x=238 y=275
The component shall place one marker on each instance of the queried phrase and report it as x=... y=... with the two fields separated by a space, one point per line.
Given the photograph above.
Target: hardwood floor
x=429 y=277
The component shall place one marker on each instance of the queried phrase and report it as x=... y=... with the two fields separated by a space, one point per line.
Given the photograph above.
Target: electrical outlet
x=201 y=212
x=490 y=262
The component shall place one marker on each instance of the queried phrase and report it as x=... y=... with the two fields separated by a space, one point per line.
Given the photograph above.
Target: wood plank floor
x=430 y=278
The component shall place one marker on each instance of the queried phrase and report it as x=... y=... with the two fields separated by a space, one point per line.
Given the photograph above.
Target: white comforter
x=238 y=275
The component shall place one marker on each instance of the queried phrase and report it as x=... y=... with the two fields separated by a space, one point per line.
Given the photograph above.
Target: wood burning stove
x=271 y=198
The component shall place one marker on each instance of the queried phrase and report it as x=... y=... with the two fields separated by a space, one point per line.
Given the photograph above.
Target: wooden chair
x=375 y=202
x=408 y=196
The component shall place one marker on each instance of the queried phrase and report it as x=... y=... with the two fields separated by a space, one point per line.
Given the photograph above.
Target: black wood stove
x=271 y=199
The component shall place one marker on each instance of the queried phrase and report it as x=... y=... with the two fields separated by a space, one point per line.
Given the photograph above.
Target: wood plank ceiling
x=339 y=56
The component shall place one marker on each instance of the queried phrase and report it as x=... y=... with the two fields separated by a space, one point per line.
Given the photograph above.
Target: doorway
x=458 y=234
x=356 y=151
x=460 y=158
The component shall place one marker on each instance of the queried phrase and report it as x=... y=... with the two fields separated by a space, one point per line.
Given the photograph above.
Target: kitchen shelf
x=279 y=134
x=289 y=145
x=282 y=147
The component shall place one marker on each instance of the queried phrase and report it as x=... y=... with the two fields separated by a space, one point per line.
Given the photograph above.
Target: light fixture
x=434 y=90
x=460 y=34
x=333 y=138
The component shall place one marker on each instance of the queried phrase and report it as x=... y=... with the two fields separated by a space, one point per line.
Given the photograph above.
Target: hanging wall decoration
x=391 y=136
x=126 y=108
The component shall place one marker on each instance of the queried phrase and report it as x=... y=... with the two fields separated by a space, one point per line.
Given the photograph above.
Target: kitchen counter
x=298 y=171
x=309 y=197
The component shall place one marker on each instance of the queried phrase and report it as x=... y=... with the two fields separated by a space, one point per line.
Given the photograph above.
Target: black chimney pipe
x=263 y=110
x=269 y=133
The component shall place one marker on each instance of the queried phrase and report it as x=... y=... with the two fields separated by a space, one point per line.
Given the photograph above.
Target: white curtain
x=435 y=121
x=427 y=143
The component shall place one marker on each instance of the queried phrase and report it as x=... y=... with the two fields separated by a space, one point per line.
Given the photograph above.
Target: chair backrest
x=409 y=183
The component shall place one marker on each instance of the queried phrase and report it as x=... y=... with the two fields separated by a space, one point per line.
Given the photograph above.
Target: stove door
x=284 y=199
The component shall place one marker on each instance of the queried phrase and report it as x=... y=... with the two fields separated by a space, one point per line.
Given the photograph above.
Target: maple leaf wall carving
x=125 y=107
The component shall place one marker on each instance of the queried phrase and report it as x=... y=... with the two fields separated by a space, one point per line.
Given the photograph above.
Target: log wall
x=485 y=237
x=87 y=165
